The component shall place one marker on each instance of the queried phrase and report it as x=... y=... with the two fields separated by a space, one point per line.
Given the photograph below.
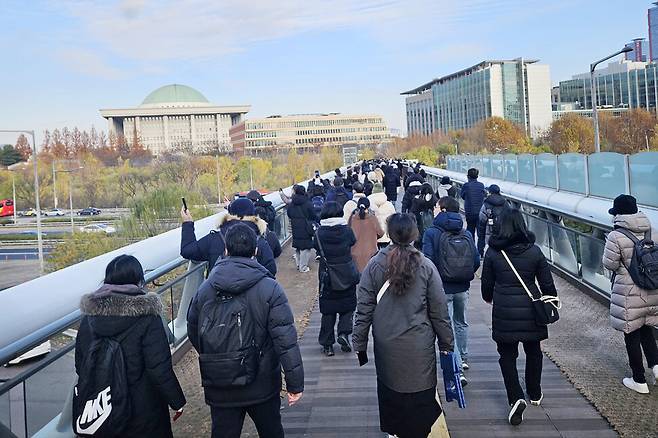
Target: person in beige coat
x=633 y=310
x=350 y=205
x=383 y=208
x=367 y=230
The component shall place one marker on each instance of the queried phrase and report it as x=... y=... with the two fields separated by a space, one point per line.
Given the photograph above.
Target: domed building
x=176 y=118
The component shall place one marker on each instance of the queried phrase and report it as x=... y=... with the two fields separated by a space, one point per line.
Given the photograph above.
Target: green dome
x=174 y=93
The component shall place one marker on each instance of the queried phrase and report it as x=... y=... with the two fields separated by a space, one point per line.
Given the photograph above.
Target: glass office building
x=652 y=16
x=517 y=90
x=625 y=84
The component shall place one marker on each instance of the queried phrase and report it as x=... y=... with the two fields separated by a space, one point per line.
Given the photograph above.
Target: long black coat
x=337 y=241
x=274 y=325
x=391 y=183
x=154 y=388
x=302 y=216
x=513 y=315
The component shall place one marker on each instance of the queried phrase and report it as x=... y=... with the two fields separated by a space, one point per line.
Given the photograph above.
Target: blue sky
x=62 y=60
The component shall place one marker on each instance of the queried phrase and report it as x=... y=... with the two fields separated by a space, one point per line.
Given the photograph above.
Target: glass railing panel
x=607 y=174
x=540 y=229
x=47 y=390
x=486 y=166
x=564 y=249
x=591 y=253
x=643 y=176
x=511 y=171
x=546 y=164
x=497 y=164
x=526 y=168
x=571 y=168
x=5 y=409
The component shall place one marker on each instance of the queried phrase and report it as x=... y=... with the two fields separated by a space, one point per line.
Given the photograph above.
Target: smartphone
x=280 y=189
x=184 y=203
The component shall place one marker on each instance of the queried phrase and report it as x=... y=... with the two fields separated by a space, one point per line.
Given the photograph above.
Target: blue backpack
x=317 y=202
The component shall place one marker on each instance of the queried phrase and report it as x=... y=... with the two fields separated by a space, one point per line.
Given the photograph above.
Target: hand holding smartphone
x=184 y=203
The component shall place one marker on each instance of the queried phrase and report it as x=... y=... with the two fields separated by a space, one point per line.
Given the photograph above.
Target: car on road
x=54 y=212
x=89 y=211
x=29 y=213
x=98 y=228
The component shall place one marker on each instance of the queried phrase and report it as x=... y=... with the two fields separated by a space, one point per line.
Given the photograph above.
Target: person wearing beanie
x=263 y=209
x=489 y=218
x=633 y=310
x=446 y=188
x=212 y=247
x=411 y=192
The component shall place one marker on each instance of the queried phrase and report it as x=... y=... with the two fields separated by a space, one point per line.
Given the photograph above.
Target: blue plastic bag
x=451 y=379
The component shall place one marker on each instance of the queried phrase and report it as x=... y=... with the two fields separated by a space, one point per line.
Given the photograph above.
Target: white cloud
x=87 y=62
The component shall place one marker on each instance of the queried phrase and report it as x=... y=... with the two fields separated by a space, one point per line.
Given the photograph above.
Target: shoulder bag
x=342 y=276
x=545 y=307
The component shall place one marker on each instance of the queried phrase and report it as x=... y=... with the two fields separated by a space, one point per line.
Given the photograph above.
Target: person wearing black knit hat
x=633 y=310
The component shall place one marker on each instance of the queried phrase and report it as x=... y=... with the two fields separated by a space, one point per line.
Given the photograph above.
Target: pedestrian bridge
x=585 y=359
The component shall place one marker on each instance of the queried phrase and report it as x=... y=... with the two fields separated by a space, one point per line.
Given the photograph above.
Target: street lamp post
x=36 y=192
x=70 y=172
x=595 y=115
x=54 y=185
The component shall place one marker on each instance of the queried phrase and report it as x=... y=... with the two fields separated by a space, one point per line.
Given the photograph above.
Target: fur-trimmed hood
x=260 y=224
x=120 y=300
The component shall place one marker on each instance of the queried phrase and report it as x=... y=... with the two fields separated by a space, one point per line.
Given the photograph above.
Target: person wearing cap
x=633 y=310
x=412 y=191
x=212 y=247
x=446 y=188
x=264 y=209
x=488 y=221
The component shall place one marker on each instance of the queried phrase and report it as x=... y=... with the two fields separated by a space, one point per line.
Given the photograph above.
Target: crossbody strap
x=383 y=290
x=517 y=275
x=317 y=238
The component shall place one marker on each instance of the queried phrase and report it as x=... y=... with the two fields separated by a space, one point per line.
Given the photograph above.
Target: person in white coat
x=383 y=208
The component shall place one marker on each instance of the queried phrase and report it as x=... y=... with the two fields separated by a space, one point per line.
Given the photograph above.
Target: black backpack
x=644 y=261
x=341 y=198
x=228 y=354
x=424 y=220
x=318 y=202
x=493 y=215
x=101 y=397
x=454 y=255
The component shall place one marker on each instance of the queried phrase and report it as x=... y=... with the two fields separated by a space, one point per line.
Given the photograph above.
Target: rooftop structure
x=176 y=118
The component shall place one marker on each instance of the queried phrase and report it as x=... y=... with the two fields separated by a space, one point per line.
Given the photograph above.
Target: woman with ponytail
x=367 y=229
x=401 y=296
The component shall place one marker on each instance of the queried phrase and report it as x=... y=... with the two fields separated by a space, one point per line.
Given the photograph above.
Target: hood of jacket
x=378 y=199
x=414 y=190
x=235 y=275
x=446 y=187
x=517 y=243
x=449 y=221
x=333 y=221
x=495 y=200
x=357 y=196
x=120 y=300
x=637 y=223
x=260 y=224
x=299 y=199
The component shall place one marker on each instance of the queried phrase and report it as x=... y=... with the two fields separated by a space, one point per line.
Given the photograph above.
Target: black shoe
x=344 y=342
x=516 y=413
x=328 y=351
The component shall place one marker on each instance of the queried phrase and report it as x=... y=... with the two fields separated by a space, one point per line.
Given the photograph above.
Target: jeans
x=327 y=336
x=472 y=225
x=641 y=339
x=302 y=256
x=509 y=352
x=457 y=304
x=227 y=422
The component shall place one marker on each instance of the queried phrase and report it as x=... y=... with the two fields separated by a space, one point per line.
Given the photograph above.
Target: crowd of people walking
x=401 y=269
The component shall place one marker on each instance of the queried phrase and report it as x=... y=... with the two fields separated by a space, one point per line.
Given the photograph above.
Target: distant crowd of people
x=401 y=268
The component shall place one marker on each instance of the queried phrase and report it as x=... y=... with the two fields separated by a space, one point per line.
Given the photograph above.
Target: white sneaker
x=655 y=374
x=537 y=402
x=305 y=269
x=465 y=366
x=516 y=413
x=641 y=388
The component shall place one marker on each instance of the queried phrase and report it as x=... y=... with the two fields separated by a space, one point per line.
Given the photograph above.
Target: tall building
x=623 y=84
x=304 y=131
x=639 y=52
x=176 y=118
x=518 y=90
x=652 y=17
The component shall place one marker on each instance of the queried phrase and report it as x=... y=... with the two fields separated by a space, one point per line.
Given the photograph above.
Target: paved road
x=21 y=253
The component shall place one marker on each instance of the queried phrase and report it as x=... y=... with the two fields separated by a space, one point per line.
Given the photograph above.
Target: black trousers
x=641 y=339
x=227 y=422
x=327 y=336
x=472 y=225
x=509 y=352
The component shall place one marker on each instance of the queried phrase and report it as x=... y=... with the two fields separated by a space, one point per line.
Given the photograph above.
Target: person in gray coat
x=409 y=316
x=633 y=310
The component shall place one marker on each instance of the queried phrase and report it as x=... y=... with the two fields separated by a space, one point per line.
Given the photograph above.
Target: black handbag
x=342 y=276
x=545 y=307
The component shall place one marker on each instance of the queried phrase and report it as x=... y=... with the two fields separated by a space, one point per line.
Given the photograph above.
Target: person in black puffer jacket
x=410 y=194
x=264 y=209
x=491 y=211
x=391 y=183
x=473 y=194
x=268 y=317
x=121 y=306
x=302 y=217
x=513 y=317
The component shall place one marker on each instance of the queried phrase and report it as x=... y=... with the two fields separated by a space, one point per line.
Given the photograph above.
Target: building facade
x=640 y=50
x=623 y=84
x=517 y=90
x=305 y=131
x=176 y=118
x=652 y=17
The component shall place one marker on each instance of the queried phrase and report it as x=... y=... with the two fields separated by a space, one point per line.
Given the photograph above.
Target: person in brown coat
x=367 y=229
x=633 y=310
